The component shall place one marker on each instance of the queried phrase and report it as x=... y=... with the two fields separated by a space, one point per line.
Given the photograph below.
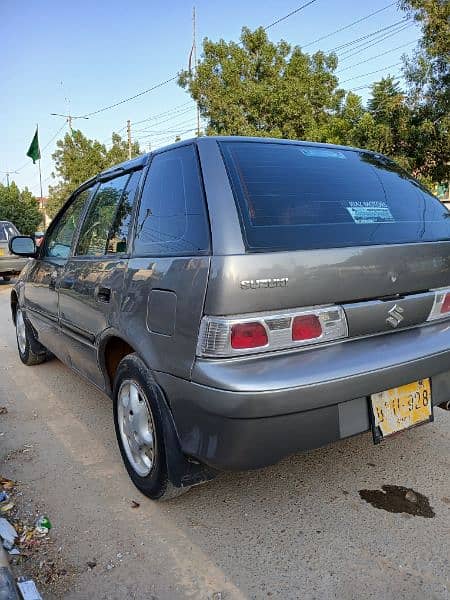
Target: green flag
x=33 y=150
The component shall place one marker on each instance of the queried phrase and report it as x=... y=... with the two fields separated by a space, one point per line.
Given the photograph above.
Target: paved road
x=295 y=530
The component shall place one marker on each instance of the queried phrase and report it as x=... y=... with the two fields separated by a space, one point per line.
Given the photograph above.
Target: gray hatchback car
x=241 y=299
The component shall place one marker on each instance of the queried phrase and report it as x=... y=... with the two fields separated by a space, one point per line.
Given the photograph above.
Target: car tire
x=31 y=351
x=140 y=431
x=6 y=278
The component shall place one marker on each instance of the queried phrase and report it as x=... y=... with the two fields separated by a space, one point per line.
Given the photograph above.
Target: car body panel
x=332 y=276
x=186 y=278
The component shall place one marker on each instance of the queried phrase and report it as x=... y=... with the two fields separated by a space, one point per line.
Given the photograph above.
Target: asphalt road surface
x=297 y=530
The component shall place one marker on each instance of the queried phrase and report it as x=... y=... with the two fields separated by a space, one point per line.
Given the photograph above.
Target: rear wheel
x=29 y=348
x=6 y=277
x=139 y=429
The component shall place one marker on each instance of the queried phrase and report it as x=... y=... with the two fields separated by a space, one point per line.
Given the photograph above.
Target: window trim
x=208 y=250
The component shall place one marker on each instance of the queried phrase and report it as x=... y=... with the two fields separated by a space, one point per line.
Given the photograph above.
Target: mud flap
x=182 y=470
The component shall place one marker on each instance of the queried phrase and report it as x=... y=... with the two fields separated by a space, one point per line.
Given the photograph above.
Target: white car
x=9 y=263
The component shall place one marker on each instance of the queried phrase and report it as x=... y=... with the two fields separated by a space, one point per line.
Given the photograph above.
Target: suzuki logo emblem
x=395 y=316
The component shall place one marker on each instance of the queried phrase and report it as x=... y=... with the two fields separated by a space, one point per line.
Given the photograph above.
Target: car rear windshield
x=7 y=231
x=295 y=196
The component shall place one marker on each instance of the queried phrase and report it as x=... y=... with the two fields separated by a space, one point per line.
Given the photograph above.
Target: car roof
x=143 y=159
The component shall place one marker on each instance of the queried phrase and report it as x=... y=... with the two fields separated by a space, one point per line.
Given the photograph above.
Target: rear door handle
x=103 y=294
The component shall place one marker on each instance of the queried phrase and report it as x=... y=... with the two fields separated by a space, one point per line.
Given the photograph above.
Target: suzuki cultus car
x=242 y=299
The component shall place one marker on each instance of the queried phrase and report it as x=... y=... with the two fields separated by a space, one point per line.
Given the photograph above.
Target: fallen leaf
x=3 y=410
x=135 y=504
x=7 y=484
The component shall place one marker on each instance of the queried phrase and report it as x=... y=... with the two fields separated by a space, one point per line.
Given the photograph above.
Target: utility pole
x=8 y=173
x=129 y=138
x=69 y=119
x=194 y=47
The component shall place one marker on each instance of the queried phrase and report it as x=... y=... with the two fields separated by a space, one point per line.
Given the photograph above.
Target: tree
x=19 y=207
x=77 y=158
x=427 y=75
x=261 y=88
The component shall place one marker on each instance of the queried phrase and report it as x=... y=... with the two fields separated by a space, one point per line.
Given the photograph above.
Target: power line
x=150 y=89
x=375 y=56
x=363 y=46
x=170 y=118
x=172 y=124
x=328 y=35
x=371 y=73
x=53 y=138
x=163 y=114
x=369 y=85
x=368 y=35
x=293 y=12
x=170 y=79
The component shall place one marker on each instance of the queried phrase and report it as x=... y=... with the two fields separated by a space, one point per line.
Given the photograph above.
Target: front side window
x=299 y=197
x=172 y=216
x=59 y=240
x=99 y=220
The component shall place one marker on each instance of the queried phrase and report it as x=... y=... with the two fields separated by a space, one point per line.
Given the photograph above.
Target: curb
x=8 y=590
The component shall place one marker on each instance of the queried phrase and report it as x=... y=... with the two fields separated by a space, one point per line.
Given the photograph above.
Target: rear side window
x=293 y=196
x=99 y=220
x=172 y=217
x=118 y=236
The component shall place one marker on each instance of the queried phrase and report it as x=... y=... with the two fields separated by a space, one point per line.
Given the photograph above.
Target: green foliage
x=257 y=87
x=428 y=77
x=77 y=158
x=261 y=88
x=19 y=207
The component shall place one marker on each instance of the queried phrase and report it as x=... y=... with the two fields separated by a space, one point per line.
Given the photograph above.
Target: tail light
x=248 y=335
x=441 y=305
x=270 y=331
x=306 y=327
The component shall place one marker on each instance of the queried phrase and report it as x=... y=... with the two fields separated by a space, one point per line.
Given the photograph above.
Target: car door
x=91 y=284
x=41 y=282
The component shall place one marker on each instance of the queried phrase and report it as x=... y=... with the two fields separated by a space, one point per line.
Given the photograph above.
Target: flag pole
x=40 y=181
x=40 y=178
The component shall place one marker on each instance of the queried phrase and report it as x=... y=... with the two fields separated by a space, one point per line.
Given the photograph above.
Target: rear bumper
x=11 y=264
x=257 y=421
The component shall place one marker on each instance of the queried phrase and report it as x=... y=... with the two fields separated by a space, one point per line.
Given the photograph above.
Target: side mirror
x=22 y=245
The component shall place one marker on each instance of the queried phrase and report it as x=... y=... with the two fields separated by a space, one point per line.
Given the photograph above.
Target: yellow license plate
x=2 y=252
x=401 y=408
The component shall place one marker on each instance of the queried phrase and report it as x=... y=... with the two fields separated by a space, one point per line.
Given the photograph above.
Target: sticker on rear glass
x=322 y=153
x=371 y=211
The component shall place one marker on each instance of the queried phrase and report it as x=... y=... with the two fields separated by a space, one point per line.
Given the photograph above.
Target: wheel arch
x=14 y=303
x=112 y=348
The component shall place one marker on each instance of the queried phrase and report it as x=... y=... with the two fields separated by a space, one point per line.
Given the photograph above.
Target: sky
x=78 y=57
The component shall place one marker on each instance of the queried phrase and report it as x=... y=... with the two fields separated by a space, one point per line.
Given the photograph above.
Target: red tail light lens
x=306 y=327
x=445 y=307
x=248 y=335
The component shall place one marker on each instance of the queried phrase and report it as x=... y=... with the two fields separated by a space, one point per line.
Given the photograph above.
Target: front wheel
x=139 y=429
x=31 y=352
